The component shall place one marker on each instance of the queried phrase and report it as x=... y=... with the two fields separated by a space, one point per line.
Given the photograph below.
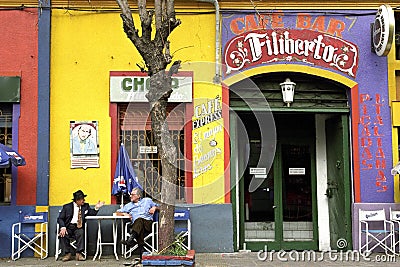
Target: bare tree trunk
x=161 y=83
x=157 y=56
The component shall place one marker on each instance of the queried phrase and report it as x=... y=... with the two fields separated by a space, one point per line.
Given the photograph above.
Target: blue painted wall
x=212 y=228
x=209 y=222
x=42 y=188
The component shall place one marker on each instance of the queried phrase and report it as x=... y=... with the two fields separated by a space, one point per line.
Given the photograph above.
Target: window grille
x=136 y=135
x=5 y=138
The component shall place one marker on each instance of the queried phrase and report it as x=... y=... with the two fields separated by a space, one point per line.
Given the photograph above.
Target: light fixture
x=288 y=91
x=396 y=169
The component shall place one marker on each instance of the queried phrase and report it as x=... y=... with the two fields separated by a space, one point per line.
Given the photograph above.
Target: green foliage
x=176 y=248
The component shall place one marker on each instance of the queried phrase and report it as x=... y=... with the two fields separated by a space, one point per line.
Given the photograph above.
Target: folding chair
x=395 y=218
x=150 y=240
x=72 y=242
x=183 y=227
x=375 y=231
x=25 y=235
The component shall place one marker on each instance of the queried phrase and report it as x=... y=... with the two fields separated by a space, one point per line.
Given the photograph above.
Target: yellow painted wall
x=84 y=48
x=393 y=81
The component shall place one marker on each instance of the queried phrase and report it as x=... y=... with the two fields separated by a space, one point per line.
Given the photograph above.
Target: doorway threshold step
x=260 y=234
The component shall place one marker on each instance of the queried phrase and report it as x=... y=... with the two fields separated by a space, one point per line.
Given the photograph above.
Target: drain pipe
x=217 y=78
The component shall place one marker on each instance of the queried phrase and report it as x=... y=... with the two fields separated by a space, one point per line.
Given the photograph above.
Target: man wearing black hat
x=71 y=220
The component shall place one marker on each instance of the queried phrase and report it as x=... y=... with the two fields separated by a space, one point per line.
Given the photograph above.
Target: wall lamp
x=288 y=91
x=396 y=169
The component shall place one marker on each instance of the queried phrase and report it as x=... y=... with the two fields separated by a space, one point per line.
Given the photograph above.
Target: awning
x=9 y=156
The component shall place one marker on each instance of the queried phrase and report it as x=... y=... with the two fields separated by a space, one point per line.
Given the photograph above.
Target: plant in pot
x=174 y=254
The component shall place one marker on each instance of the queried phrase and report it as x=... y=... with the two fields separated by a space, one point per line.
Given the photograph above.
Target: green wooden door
x=338 y=174
x=282 y=212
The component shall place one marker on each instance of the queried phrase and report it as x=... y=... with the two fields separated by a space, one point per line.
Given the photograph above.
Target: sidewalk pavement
x=238 y=259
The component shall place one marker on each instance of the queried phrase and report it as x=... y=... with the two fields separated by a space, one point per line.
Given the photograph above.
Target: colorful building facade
x=253 y=170
x=24 y=112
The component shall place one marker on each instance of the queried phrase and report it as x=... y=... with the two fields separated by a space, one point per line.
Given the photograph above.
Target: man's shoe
x=79 y=257
x=136 y=262
x=130 y=242
x=67 y=257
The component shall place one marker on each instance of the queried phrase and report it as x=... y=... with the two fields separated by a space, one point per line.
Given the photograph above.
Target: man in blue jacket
x=71 y=220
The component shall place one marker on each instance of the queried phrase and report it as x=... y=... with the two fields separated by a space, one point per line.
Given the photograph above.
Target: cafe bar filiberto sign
x=291 y=45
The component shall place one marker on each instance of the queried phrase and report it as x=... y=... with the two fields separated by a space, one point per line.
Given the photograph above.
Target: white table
x=100 y=243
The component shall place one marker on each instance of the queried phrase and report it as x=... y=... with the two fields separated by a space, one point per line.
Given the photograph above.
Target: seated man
x=141 y=211
x=71 y=220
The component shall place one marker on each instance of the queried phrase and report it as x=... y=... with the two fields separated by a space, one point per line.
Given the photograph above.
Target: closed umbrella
x=125 y=178
x=9 y=156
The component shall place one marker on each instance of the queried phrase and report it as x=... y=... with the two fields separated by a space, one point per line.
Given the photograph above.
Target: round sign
x=383 y=30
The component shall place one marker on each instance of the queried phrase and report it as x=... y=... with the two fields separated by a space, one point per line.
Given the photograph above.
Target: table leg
x=122 y=237
x=115 y=238
x=98 y=248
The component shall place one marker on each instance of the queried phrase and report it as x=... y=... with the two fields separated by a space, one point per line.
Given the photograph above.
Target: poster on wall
x=208 y=131
x=84 y=146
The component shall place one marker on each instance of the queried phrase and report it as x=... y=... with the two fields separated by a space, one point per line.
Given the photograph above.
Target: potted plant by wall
x=174 y=254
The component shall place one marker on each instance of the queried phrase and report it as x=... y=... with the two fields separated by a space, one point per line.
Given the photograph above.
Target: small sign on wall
x=147 y=149
x=297 y=171
x=258 y=170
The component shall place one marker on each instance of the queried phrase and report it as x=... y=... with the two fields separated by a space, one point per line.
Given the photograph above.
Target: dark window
x=5 y=138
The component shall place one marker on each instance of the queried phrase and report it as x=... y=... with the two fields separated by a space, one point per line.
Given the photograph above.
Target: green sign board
x=10 y=89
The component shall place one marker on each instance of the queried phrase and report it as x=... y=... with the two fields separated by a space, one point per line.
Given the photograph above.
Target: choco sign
x=288 y=45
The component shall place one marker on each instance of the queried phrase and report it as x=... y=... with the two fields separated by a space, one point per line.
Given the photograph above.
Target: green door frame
x=238 y=212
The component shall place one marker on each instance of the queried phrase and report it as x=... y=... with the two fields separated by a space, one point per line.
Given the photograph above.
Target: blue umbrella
x=125 y=178
x=9 y=156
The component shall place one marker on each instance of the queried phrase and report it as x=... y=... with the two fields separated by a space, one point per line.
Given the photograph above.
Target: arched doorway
x=309 y=180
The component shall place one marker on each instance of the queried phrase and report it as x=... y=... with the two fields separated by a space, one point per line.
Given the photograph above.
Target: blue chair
x=183 y=227
x=25 y=236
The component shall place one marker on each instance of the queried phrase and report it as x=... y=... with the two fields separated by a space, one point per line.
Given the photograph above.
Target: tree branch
x=158 y=12
x=142 y=9
x=146 y=25
x=164 y=10
x=146 y=18
x=126 y=12
x=167 y=53
x=170 y=9
x=174 y=68
x=128 y=22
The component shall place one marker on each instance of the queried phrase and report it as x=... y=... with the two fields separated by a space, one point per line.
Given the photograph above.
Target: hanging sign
x=383 y=30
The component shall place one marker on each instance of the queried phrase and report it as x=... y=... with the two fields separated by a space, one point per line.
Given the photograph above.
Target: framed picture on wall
x=84 y=146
